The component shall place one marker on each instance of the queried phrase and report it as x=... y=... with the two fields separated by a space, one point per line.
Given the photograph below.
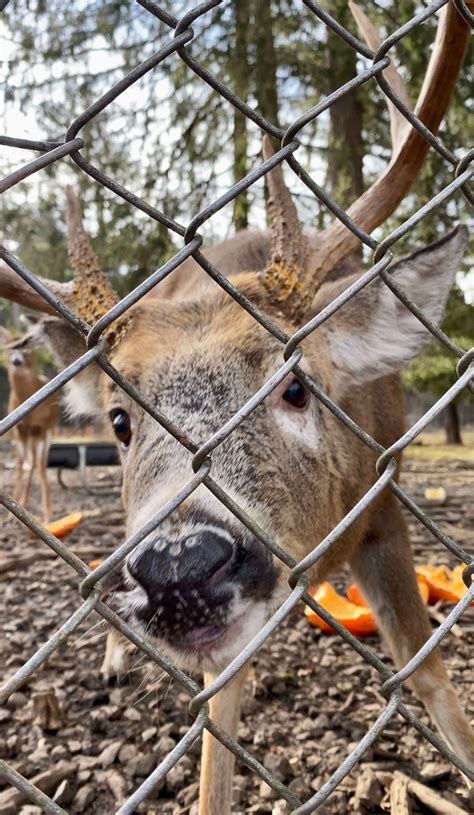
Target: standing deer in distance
x=201 y=585
x=32 y=434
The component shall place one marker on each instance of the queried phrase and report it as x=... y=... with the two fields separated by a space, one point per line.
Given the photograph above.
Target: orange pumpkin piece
x=444 y=583
x=355 y=595
x=94 y=563
x=423 y=588
x=63 y=526
x=357 y=619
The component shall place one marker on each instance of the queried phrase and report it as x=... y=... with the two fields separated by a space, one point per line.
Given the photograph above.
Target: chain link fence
x=179 y=42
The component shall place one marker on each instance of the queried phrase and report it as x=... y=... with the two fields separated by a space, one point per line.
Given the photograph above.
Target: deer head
x=18 y=351
x=201 y=582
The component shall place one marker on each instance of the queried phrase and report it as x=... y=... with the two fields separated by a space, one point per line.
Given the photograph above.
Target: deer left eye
x=296 y=395
x=122 y=426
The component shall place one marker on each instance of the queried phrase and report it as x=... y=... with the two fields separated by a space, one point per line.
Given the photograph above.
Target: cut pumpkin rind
x=444 y=583
x=63 y=526
x=357 y=619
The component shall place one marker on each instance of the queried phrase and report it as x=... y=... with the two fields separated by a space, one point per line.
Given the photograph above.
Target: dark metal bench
x=80 y=455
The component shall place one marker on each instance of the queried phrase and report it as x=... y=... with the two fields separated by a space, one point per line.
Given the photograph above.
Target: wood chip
x=117 y=785
x=439 y=617
x=47 y=712
x=368 y=791
x=399 y=798
x=47 y=782
x=433 y=800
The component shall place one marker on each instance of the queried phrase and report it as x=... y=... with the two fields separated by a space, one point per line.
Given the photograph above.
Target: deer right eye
x=122 y=426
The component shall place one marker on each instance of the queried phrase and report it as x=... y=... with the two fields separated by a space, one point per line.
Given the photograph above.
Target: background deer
x=32 y=434
x=201 y=584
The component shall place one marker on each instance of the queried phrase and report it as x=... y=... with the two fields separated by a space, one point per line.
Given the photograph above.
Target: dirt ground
x=310 y=700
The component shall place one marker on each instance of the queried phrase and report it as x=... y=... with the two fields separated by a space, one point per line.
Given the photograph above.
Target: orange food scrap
x=355 y=595
x=444 y=583
x=356 y=618
x=94 y=563
x=424 y=588
x=63 y=526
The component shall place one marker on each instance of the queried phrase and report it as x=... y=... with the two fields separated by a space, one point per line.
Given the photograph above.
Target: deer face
x=201 y=582
x=20 y=359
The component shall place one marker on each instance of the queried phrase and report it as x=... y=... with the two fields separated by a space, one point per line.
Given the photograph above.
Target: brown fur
x=31 y=432
x=212 y=326
x=198 y=356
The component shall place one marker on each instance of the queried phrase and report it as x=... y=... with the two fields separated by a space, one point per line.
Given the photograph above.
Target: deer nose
x=197 y=562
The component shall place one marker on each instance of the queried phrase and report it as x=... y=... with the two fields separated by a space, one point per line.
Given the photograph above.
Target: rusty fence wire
x=179 y=42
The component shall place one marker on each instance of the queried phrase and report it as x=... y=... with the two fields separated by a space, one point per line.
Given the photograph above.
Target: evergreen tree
x=434 y=371
x=176 y=142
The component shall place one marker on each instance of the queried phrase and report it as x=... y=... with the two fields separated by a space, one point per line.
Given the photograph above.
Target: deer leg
x=26 y=489
x=115 y=662
x=217 y=764
x=20 y=463
x=383 y=566
x=45 y=491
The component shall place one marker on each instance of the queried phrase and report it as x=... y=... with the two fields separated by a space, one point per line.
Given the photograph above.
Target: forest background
x=175 y=142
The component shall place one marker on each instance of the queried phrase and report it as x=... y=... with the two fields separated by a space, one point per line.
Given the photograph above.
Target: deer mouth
x=200 y=637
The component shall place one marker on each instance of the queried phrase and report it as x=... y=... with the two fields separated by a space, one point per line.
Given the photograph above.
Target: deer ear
x=374 y=334
x=66 y=344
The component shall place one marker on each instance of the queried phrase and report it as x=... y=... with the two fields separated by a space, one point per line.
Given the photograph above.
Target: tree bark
x=240 y=71
x=452 y=424
x=265 y=67
x=265 y=62
x=345 y=143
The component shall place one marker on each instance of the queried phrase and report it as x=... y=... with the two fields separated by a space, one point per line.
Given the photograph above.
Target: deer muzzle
x=188 y=584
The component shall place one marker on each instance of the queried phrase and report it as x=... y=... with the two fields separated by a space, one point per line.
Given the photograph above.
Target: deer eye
x=296 y=395
x=121 y=426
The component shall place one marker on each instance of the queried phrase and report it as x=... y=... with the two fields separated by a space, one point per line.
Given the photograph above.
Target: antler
x=93 y=294
x=14 y=288
x=90 y=294
x=293 y=274
x=409 y=148
x=286 y=275
x=398 y=123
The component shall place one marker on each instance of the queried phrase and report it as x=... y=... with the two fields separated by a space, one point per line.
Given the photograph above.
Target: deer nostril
x=201 y=560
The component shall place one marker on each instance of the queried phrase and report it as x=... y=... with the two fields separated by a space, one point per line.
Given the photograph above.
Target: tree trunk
x=240 y=70
x=452 y=425
x=265 y=67
x=345 y=143
x=265 y=62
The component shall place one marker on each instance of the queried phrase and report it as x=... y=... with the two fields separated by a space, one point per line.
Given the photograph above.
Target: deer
x=201 y=585
x=33 y=432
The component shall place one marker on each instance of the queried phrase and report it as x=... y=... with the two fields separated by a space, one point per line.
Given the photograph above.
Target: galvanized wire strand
x=353 y=758
x=31 y=792
x=45 y=651
x=129 y=545
x=151 y=782
x=50 y=388
x=444 y=628
x=178 y=42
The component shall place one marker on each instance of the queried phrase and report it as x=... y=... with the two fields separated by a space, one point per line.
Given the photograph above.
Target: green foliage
x=174 y=141
x=435 y=369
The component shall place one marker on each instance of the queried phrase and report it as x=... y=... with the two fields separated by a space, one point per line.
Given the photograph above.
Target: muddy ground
x=310 y=700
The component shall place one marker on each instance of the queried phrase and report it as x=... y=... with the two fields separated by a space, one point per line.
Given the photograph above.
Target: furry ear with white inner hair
x=374 y=334
x=82 y=391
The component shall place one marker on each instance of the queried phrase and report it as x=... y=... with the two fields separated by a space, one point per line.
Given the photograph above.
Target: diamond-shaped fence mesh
x=180 y=39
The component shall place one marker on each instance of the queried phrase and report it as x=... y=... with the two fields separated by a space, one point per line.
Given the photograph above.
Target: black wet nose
x=195 y=563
